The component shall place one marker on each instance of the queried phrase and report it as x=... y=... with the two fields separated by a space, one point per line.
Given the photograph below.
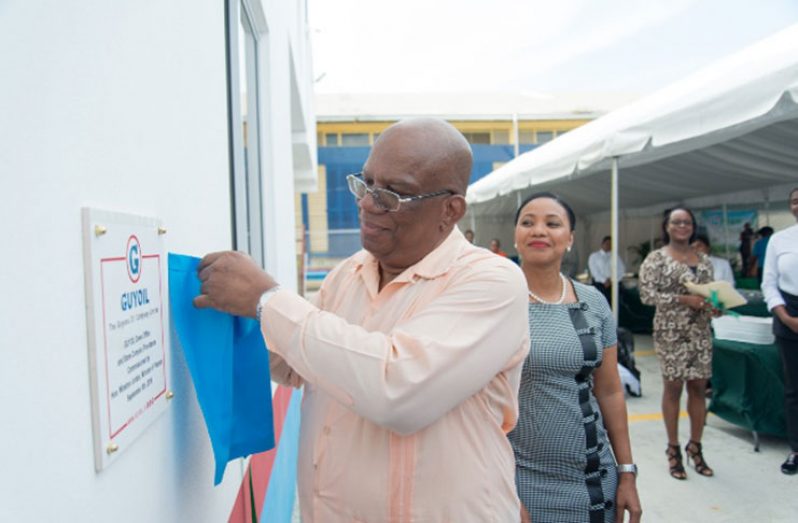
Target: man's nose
x=368 y=203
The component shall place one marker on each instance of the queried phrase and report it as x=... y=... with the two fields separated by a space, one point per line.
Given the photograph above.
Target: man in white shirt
x=780 y=287
x=721 y=268
x=600 y=267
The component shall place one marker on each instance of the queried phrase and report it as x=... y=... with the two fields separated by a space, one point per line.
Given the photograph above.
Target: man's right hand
x=231 y=282
x=790 y=321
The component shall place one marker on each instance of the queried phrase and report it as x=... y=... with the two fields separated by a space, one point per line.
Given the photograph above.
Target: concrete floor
x=747 y=487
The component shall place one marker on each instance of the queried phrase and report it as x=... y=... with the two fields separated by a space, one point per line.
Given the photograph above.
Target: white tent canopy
x=728 y=132
x=730 y=128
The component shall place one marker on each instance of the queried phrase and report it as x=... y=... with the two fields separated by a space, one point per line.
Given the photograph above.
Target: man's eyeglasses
x=681 y=223
x=383 y=198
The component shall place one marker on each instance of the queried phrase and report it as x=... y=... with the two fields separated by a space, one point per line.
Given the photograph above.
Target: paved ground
x=748 y=486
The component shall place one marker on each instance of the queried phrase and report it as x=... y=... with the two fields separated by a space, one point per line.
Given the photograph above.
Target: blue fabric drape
x=229 y=366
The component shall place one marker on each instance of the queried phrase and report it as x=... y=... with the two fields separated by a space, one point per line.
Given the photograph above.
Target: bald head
x=428 y=163
x=438 y=153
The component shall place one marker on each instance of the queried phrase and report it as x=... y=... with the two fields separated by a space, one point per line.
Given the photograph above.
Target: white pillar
x=515 y=135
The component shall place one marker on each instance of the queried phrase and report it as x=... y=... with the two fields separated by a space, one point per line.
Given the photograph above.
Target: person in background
x=496 y=247
x=720 y=266
x=411 y=354
x=469 y=235
x=682 y=338
x=600 y=266
x=780 y=288
x=746 y=242
x=759 y=252
x=572 y=427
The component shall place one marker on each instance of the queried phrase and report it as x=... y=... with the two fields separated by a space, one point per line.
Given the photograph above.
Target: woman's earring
x=568 y=249
x=515 y=246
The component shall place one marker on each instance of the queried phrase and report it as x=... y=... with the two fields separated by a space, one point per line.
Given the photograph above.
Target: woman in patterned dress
x=682 y=339
x=572 y=424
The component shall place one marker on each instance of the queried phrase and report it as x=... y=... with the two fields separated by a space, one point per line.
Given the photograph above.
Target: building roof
x=468 y=106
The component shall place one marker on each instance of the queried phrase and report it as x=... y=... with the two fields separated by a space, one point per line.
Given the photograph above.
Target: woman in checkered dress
x=572 y=423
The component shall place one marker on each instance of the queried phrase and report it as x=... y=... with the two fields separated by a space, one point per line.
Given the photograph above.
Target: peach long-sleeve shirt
x=409 y=391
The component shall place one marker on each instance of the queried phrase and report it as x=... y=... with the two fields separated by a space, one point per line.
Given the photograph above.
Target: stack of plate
x=747 y=329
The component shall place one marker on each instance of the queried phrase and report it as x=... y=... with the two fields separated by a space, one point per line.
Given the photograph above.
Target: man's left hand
x=231 y=282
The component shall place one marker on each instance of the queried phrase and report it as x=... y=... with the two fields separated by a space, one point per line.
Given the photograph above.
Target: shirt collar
x=433 y=265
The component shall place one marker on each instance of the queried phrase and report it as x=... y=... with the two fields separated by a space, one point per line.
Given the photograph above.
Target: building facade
x=329 y=215
x=197 y=113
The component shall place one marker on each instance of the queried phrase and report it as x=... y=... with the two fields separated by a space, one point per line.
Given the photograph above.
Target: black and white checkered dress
x=565 y=470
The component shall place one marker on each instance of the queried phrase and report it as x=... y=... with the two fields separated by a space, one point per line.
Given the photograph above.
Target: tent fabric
x=729 y=128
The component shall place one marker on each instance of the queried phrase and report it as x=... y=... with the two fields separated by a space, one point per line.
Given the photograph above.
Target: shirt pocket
x=332 y=448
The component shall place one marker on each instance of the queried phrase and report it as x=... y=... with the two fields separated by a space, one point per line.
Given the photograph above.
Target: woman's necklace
x=558 y=302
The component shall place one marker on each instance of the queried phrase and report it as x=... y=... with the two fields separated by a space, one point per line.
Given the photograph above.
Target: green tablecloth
x=756 y=305
x=748 y=386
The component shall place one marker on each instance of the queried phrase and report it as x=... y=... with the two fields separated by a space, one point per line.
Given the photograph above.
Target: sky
x=529 y=46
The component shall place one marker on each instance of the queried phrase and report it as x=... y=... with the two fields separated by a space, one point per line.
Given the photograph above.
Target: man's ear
x=454 y=210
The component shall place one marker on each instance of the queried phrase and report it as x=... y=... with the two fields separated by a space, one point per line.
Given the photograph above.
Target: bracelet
x=630 y=468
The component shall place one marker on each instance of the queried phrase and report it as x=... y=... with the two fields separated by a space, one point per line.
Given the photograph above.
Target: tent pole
x=614 y=235
x=515 y=135
x=767 y=207
x=726 y=230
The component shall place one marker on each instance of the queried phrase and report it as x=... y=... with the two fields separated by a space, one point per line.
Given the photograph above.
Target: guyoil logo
x=133 y=258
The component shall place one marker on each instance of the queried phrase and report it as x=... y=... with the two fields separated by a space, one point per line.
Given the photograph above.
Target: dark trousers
x=789 y=358
x=606 y=291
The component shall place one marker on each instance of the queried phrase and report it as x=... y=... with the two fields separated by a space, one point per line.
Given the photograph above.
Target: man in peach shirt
x=411 y=354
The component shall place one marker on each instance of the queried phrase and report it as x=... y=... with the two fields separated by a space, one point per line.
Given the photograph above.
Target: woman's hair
x=703 y=238
x=794 y=190
x=551 y=196
x=666 y=238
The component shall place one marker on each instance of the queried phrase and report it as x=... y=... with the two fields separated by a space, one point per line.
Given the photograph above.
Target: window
x=477 y=138
x=355 y=139
x=545 y=136
x=526 y=137
x=501 y=137
x=244 y=130
x=331 y=139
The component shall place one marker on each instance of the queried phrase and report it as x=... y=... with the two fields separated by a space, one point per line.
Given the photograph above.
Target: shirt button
x=603 y=472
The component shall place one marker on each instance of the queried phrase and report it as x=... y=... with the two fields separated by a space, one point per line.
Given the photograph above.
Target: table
x=756 y=305
x=748 y=387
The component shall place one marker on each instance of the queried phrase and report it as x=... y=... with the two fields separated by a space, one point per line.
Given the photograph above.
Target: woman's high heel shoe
x=694 y=452
x=674 y=454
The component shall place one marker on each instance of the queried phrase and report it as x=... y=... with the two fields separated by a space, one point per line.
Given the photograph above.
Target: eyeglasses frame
x=358 y=177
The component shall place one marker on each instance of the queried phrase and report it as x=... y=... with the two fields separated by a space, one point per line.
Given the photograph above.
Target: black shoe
x=790 y=466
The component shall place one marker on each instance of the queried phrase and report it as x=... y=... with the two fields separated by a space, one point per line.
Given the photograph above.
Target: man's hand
x=231 y=282
x=790 y=321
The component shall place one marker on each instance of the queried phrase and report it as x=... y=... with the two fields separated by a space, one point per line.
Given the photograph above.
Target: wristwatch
x=627 y=467
x=263 y=299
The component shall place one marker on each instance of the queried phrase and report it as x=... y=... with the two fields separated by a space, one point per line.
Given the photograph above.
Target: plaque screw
x=99 y=230
x=112 y=447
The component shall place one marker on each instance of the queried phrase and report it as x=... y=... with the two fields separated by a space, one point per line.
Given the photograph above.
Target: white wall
x=121 y=106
